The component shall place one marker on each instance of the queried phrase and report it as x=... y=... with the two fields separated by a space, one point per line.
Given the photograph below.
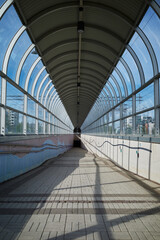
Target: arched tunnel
x=79 y=119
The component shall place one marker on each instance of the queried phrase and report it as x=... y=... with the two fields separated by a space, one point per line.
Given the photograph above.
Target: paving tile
x=74 y=198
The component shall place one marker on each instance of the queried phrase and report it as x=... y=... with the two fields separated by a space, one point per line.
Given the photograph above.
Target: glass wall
x=136 y=73
x=25 y=82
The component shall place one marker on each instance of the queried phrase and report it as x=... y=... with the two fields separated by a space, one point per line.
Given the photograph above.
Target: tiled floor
x=79 y=196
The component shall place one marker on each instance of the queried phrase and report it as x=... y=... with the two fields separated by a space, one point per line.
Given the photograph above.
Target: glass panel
x=46 y=91
x=26 y=67
x=119 y=82
x=8 y=28
x=110 y=116
x=52 y=119
x=34 y=74
x=145 y=98
x=112 y=97
x=31 y=125
x=134 y=69
x=110 y=128
x=40 y=127
x=127 y=125
x=150 y=25
x=108 y=99
x=42 y=88
x=125 y=75
x=145 y=123
x=117 y=113
x=31 y=107
x=46 y=116
x=40 y=112
x=0 y=89
x=52 y=129
x=43 y=74
x=14 y=122
x=127 y=107
x=158 y=2
x=18 y=51
x=115 y=88
x=105 y=119
x=46 y=128
x=140 y=49
x=117 y=127
x=105 y=128
x=2 y=2
x=14 y=97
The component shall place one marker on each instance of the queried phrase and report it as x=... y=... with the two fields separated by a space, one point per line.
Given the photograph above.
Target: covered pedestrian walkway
x=79 y=196
x=80 y=119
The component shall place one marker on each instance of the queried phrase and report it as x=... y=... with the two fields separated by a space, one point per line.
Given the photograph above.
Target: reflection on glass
x=14 y=122
x=134 y=69
x=127 y=125
x=31 y=107
x=127 y=107
x=140 y=49
x=145 y=98
x=145 y=123
x=110 y=94
x=42 y=88
x=17 y=53
x=26 y=67
x=110 y=128
x=117 y=127
x=115 y=88
x=116 y=76
x=105 y=118
x=150 y=25
x=2 y=2
x=46 y=116
x=0 y=89
x=46 y=128
x=110 y=116
x=43 y=74
x=40 y=127
x=34 y=74
x=117 y=113
x=31 y=125
x=40 y=112
x=52 y=129
x=158 y=1
x=125 y=75
x=8 y=28
x=14 y=97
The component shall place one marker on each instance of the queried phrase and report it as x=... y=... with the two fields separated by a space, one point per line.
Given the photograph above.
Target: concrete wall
x=20 y=156
x=139 y=157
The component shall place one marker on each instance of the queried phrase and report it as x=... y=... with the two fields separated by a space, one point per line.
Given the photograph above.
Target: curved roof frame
x=95 y=5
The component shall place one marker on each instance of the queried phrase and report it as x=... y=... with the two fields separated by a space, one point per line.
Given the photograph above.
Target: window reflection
x=117 y=127
x=14 y=97
x=8 y=29
x=117 y=113
x=151 y=27
x=31 y=125
x=14 y=122
x=40 y=127
x=140 y=49
x=127 y=125
x=17 y=53
x=31 y=107
x=127 y=107
x=145 y=98
x=2 y=2
x=145 y=123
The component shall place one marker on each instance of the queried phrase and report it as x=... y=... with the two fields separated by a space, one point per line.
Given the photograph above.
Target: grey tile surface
x=79 y=196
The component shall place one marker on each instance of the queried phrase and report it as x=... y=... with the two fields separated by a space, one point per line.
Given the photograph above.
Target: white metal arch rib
x=36 y=80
